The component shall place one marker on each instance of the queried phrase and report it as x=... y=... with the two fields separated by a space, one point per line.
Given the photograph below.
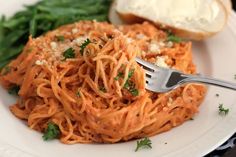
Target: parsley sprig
x=83 y=46
x=69 y=53
x=223 y=110
x=52 y=132
x=143 y=143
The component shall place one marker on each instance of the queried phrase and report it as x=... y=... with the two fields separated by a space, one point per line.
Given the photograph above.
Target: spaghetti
x=99 y=95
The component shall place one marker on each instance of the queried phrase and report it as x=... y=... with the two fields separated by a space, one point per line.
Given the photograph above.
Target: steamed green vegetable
x=46 y=15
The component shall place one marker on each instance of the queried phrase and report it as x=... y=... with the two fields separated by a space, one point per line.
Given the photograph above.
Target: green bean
x=33 y=24
x=15 y=22
x=11 y=53
x=11 y=38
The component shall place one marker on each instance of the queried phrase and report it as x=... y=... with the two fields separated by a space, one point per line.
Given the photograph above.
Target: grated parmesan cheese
x=170 y=101
x=169 y=44
x=143 y=53
x=40 y=62
x=161 y=44
x=140 y=36
x=75 y=30
x=79 y=40
x=53 y=45
x=154 y=47
x=129 y=40
x=160 y=61
x=165 y=109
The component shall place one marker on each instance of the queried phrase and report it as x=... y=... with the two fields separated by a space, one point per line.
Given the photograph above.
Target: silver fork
x=162 y=80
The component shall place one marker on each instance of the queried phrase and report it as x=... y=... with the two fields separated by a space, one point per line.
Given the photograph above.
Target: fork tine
x=150 y=80
x=149 y=72
x=150 y=87
x=146 y=64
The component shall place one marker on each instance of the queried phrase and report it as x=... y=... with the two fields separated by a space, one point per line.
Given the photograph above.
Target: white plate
x=215 y=57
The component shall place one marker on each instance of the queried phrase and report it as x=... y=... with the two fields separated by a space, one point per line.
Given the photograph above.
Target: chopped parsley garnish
x=122 y=66
x=6 y=70
x=131 y=73
x=143 y=143
x=119 y=75
x=14 y=90
x=223 y=110
x=130 y=86
x=173 y=38
x=69 y=53
x=103 y=89
x=52 y=132
x=127 y=85
x=134 y=92
x=78 y=93
x=60 y=38
x=83 y=46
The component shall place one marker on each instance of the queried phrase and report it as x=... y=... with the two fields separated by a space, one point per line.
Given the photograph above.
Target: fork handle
x=207 y=80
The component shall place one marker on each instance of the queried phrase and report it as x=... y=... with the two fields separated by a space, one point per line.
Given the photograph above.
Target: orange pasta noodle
x=99 y=94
